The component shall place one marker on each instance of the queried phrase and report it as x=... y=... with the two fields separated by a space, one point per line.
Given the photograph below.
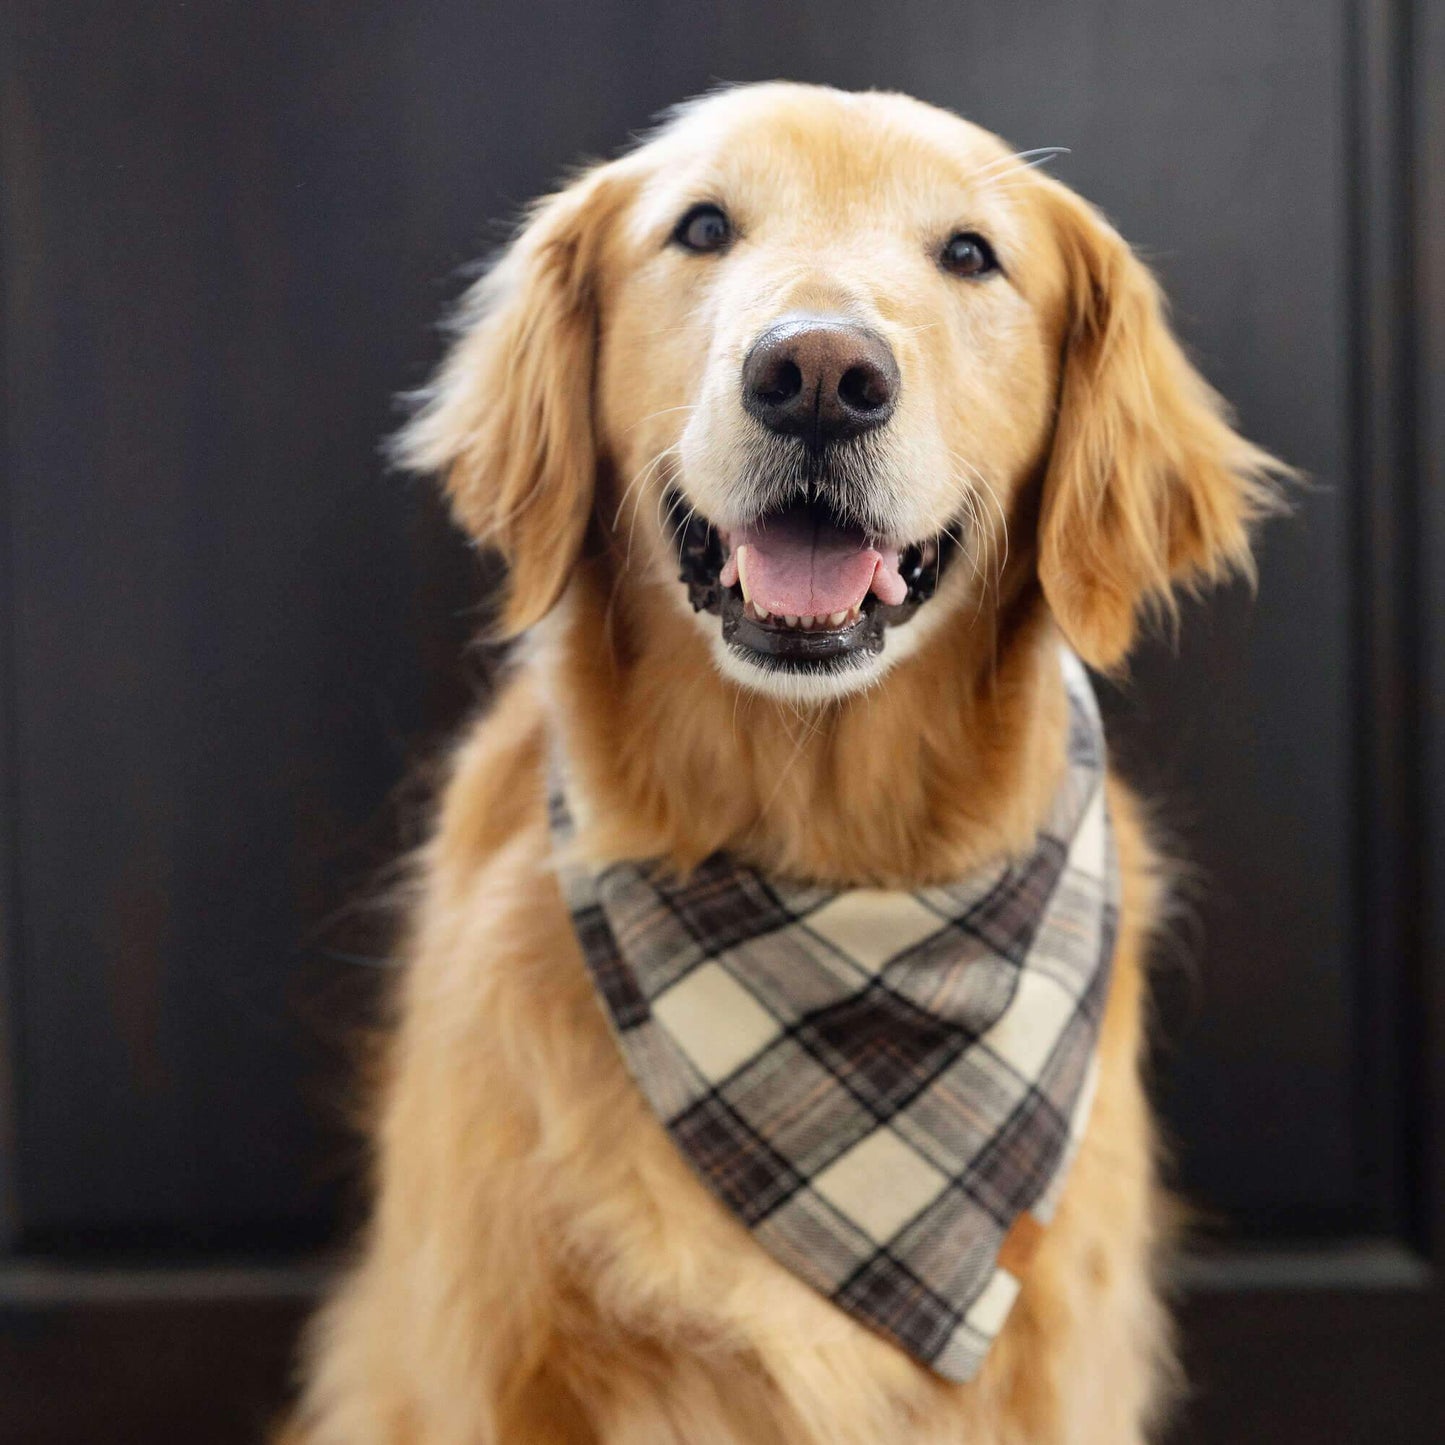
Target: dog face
x=820 y=368
x=845 y=382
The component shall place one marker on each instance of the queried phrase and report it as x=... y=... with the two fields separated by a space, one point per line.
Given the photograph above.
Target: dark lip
x=700 y=555
x=791 y=648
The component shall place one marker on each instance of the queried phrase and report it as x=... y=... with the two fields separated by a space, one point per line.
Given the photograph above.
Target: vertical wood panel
x=9 y=823
x=1425 y=1015
x=1386 y=523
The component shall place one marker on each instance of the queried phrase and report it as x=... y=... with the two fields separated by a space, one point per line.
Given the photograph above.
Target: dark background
x=231 y=641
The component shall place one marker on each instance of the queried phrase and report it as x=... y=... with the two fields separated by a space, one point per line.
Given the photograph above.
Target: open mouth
x=802 y=589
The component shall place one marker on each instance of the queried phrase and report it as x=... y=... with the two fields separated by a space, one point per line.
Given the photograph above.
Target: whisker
x=665 y=411
x=976 y=486
x=667 y=520
x=637 y=477
x=658 y=462
x=654 y=415
x=993 y=496
x=737 y=698
x=1026 y=160
x=686 y=326
x=638 y=484
x=973 y=501
x=811 y=728
x=1045 y=155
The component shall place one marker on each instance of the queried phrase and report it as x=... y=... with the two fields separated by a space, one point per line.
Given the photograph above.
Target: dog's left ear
x=1148 y=487
x=508 y=419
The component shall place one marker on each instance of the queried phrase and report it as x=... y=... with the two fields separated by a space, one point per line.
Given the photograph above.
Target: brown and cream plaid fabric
x=886 y=1088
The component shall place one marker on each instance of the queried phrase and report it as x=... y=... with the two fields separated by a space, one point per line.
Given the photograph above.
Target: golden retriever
x=987 y=373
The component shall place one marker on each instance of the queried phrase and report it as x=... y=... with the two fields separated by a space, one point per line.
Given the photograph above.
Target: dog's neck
x=950 y=761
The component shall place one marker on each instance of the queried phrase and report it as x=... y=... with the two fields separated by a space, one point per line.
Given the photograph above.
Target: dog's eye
x=967 y=254
x=704 y=228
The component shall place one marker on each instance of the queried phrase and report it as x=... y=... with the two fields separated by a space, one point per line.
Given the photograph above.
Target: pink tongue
x=798 y=567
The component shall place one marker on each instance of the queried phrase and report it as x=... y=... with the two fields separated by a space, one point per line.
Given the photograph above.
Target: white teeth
x=742 y=559
x=808 y=622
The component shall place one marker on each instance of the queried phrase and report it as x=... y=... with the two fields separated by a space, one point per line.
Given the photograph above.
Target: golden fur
x=541 y=1265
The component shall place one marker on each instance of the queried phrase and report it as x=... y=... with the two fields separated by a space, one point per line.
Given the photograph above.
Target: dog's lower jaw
x=806 y=688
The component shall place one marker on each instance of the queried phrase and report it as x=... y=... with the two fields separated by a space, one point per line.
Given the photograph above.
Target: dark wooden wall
x=231 y=640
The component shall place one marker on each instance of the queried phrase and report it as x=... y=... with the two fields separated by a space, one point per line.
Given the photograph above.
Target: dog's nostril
x=783 y=383
x=864 y=388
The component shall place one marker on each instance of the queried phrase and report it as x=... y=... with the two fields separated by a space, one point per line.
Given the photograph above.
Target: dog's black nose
x=820 y=378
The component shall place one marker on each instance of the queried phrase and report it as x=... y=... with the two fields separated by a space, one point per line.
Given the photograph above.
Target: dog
x=904 y=415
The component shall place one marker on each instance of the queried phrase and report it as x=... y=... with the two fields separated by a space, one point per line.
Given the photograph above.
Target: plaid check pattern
x=885 y=1087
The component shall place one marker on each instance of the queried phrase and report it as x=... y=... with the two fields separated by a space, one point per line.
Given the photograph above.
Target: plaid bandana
x=886 y=1088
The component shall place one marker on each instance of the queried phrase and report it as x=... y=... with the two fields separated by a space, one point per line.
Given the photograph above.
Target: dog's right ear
x=508 y=418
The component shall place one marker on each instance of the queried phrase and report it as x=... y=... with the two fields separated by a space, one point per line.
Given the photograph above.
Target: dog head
x=830 y=373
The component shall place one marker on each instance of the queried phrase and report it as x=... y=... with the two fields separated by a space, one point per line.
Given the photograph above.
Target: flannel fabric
x=885 y=1087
